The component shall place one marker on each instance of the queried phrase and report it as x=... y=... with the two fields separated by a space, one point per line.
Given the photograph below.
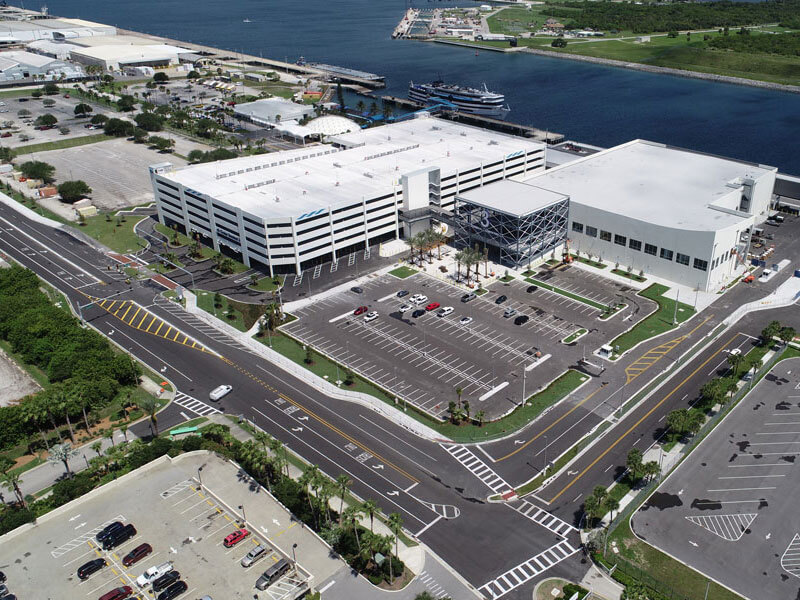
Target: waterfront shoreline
x=610 y=62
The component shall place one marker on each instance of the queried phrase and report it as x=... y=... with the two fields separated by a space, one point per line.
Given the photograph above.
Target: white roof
x=51 y=46
x=514 y=198
x=319 y=176
x=653 y=183
x=268 y=108
x=112 y=40
x=28 y=58
x=126 y=53
x=6 y=64
x=331 y=125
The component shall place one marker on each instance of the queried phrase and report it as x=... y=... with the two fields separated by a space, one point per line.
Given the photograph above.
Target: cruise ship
x=467 y=100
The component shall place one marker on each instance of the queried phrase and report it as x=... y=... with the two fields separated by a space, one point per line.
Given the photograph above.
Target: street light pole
x=244 y=516
x=522 y=402
x=294 y=556
x=199 y=478
x=545 y=456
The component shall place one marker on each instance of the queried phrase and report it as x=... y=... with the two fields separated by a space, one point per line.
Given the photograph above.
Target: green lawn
x=572 y=337
x=657 y=323
x=557 y=290
x=61 y=144
x=402 y=272
x=267 y=284
x=592 y=263
x=119 y=238
x=632 y=276
x=234 y=317
x=506 y=278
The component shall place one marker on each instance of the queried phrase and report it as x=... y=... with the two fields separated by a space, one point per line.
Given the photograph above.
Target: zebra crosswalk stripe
x=194 y=405
x=544 y=518
x=477 y=467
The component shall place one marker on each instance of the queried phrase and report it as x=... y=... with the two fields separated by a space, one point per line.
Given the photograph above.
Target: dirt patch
x=24 y=460
x=16 y=383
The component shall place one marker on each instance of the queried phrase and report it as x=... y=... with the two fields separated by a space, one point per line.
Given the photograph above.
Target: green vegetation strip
x=571 y=338
x=114 y=233
x=268 y=284
x=557 y=290
x=658 y=322
x=402 y=272
x=61 y=144
x=241 y=315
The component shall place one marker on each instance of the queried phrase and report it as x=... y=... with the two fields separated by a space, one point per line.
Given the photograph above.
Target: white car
x=443 y=312
x=153 y=573
x=420 y=299
x=404 y=308
x=371 y=316
x=465 y=321
x=219 y=392
x=415 y=298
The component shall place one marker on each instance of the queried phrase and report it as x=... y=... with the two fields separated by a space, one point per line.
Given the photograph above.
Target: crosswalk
x=544 y=518
x=194 y=405
x=524 y=572
x=437 y=591
x=477 y=467
x=180 y=314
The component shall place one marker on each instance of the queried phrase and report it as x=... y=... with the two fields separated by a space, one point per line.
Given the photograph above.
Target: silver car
x=254 y=556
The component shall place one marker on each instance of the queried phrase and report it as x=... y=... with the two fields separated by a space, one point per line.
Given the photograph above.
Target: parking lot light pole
x=545 y=456
x=294 y=556
x=522 y=401
x=199 y=478
x=244 y=516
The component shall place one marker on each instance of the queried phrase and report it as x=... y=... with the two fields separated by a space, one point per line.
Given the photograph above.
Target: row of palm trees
x=425 y=242
x=469 y=257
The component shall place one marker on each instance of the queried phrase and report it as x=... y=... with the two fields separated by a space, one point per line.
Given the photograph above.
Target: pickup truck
x=153 y=573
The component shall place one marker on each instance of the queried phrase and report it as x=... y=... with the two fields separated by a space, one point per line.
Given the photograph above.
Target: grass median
x=657 y=323
x=403 y=272
x=557 y=290
x=113 y=232
x=61 y=144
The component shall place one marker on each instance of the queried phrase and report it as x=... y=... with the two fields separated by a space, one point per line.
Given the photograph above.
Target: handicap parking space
x=729 y=510
x=184 y=523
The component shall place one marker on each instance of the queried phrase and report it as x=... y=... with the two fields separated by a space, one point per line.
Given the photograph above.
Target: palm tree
x=150 y=406
x=352 y=515
x=124 y=430
x=480 y=416
x=98 y=447
x=610 y=504
x=342 y=484
x=32 y=413
x=361 y=107
x=11 y=481
x=395 y=522
x=65 y=405
x=459 y=391
x=308 y=480
x=281 y=458
x=370 y=507
x=62 y=453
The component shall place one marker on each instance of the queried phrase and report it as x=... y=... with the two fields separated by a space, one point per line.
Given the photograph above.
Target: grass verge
x=574 y=336
x=554 y=289
x=403 y=272
x=657 y=323
x=115 y=233
x=268 y=284
x=61 y=144
x=632 y=276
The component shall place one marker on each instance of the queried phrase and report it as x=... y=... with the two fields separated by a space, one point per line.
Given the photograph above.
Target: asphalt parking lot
x=185 y=525
x=730 y=510
x=423 y=359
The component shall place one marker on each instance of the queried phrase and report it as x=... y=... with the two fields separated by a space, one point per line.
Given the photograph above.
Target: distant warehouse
x=294 y=209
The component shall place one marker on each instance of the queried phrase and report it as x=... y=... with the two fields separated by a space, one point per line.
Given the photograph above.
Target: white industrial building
x=116 y=57
x=294 y=209
x=675 y=214
x=24 y=31
x=59 y=50
x=19 y=65
x=269 y=111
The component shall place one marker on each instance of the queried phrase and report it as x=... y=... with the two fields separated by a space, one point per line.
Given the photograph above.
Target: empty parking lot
x=730 y=510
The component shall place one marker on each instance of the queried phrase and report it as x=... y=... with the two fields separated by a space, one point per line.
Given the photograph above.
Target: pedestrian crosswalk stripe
x=194 y=405
x=477 y=467
x=545 y=519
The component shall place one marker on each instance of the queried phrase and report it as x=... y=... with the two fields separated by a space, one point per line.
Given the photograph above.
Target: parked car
x=404 y=307
x=235 y=537
x=119 y=536
x=357 y=290
x=521 y=320
x=272 y=574
x=432 y=306
x=165 y=581
x=219 y=392
x=402 y=293
x=173 y=591
x=445 y=311
x=93 y=566
x=465 y=321
x=108 y=530
x=509 y=312
x=418 y=313
x=153 y=573
x=6 y=134
x=419 y=299
x=137 y=554
x=2 y=577
x=531 y=289
x=371 y=316
x=360 y=310
x=255 y=555
x=501 y=299
x=469 y=297
x=119 y=593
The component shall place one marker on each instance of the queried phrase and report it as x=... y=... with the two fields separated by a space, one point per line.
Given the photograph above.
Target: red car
x=360 y=310
x=6 y=134
x=236 y=537
x=119 y=593
x=137 y=554
x=432 y=306
x=66 y=95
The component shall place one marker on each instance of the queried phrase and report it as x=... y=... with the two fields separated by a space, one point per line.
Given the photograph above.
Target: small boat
x=247 y=21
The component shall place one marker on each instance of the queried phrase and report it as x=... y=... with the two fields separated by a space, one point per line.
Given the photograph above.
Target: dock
x=527 y=131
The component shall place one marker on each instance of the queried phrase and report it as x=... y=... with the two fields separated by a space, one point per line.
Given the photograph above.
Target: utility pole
x=522 y=401
x=675 y=314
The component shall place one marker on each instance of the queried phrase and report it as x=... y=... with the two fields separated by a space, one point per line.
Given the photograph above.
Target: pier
x=549 y=137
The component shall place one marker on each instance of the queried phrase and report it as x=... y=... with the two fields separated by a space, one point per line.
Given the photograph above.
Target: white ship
x=467 y=100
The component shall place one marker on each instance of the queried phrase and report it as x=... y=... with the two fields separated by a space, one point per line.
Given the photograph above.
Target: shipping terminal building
x=673 y=213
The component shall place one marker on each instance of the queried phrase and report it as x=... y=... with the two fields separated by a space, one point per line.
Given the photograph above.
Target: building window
x=635 y=245
x=666 y=254
x=577 y=227
x=650 y=249
x=682 y=259
x=591 y=231
x=620 y=240
x=605 y=235
x=700 y=265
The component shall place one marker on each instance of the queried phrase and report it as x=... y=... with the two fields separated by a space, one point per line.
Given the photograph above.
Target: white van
x=220 y=392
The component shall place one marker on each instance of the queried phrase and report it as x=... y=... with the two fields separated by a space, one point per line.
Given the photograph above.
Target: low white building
x=59 y=50
x=673 y=213
x=19 y=65
x=269 y=111
x=294 y=209
x=116 y=57
x=24 y=31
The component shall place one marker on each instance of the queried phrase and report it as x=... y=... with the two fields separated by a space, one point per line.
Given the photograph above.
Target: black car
x=9 y=597
x=531 y=288
x=402 y=293
x=357 y=290
x=173 y=591
x=118 y=537
x=522 y=319
x=108 y=530
x=2 y=577
x=501 y=299
x=165 y=581
x=418 y=313
x=93 y=566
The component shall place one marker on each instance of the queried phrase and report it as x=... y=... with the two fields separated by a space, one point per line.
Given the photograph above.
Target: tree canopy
x=82 y=109
x=118 y=128
x=72 y=191
x=46 y=119
x=149 y=121
x=36 y=169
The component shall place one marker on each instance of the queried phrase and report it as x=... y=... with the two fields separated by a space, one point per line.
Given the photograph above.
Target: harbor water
x=586 y=102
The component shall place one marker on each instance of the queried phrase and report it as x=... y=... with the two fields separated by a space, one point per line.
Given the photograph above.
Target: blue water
x=590 y=103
